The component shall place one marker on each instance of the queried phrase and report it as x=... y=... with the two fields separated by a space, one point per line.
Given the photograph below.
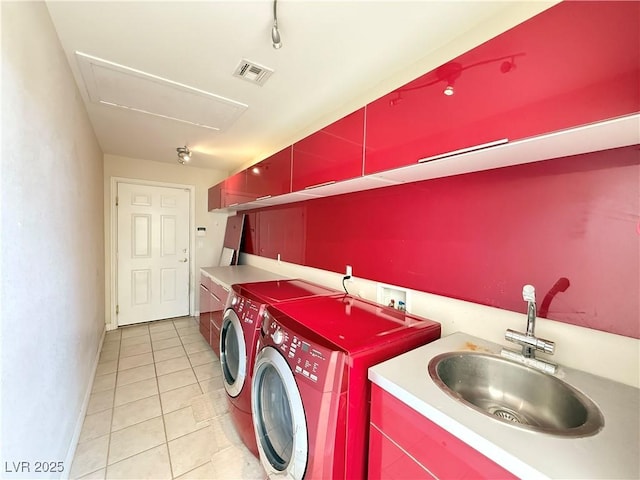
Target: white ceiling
x=336 y=57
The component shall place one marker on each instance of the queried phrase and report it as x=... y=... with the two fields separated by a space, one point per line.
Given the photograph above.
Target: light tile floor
x=158 y=410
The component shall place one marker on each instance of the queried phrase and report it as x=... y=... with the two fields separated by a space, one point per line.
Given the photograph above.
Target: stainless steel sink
x=516 y=394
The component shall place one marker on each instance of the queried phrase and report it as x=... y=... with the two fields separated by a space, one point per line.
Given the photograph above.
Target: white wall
x=600 y=353
x=52 y=260
x=208 y=248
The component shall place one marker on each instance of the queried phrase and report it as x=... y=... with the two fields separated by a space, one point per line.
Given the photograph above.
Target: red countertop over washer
x=355 y=325
x=282 y=290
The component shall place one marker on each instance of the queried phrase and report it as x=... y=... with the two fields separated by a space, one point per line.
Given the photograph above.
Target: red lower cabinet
x=403 y=444
x=387 y=460
x=204 y=328
x=214 y=333
x=205 y=308
x=213 y=298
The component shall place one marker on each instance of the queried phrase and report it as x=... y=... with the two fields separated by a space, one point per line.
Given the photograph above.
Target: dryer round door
x=278 y=417
x=233 y=353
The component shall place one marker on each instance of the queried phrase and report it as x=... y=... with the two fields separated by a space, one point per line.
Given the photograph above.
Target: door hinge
x=116 y=200
x=117 y=309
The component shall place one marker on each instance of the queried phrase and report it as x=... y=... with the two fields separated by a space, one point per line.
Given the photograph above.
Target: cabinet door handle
x=330 y=182
x=264 y=197
x=482 y=146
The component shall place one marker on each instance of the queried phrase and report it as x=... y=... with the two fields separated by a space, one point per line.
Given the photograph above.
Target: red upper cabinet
x=215 y=197
x=332 y=154
x=231 y=191
x=270 y=177
x=573 y=64
x=234 y=190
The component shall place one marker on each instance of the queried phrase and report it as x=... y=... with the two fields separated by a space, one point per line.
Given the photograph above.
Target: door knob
x=183 y=260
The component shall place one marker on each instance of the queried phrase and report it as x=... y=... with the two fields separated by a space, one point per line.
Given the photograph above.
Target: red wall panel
x=482 y=236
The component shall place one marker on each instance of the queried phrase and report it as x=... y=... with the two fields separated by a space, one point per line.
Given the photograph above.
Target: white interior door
x=152 y=253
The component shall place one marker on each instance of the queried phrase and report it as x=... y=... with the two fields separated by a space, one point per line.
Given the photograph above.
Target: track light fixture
x=275 y=33
x=451 y=71
x=184 y=154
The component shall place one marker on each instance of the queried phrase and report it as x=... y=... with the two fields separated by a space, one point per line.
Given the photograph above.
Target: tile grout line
x=197 y=383
x=113 y=400
x=162 y=413
x=111 y=422
x=115 y=386
x=113 y=407
x=164 y=424
x=166 y=443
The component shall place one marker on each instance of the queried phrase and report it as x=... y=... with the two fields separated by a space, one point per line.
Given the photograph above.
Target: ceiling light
x=184 y=154
x=275 y=33
x=449 y=73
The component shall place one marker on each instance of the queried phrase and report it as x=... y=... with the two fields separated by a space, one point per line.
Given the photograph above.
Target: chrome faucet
x=529 y=296
x=530 y=343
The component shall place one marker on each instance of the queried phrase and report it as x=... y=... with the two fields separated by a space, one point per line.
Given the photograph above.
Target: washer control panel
x=248 y=311
x=306 y=359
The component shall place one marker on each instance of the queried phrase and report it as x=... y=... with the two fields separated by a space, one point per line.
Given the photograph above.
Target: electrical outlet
x=349 y=271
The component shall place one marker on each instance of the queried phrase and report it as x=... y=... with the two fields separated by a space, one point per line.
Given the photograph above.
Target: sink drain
x=508 y=415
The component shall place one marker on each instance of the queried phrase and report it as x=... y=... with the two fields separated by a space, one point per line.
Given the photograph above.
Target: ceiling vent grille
x=252 y=72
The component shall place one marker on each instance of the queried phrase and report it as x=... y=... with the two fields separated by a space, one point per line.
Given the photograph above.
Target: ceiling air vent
x=252 y=72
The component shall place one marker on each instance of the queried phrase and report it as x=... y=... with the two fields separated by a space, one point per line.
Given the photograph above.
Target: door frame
x=113 y=261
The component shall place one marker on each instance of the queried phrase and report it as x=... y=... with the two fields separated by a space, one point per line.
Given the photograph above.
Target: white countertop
x=231 y=275
x=614 y=452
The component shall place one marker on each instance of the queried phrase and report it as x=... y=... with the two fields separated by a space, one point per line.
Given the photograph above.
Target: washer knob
x=234 y=300
x=277 y=336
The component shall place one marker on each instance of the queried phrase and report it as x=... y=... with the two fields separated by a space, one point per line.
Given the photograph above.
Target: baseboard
x=83 y=412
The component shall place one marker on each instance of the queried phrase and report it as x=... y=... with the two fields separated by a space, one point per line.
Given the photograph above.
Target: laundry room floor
x=158 y=410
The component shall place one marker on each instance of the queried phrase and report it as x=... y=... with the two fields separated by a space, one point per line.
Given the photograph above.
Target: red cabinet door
x=389 y=462
x=205 y=311
x=231 y=191
x=214 y=196
x=573 y=64
x=332 y=154
x=219 y=296
x=234 y=191
x=272 y=176
x=214 y=332
x=423 y=442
